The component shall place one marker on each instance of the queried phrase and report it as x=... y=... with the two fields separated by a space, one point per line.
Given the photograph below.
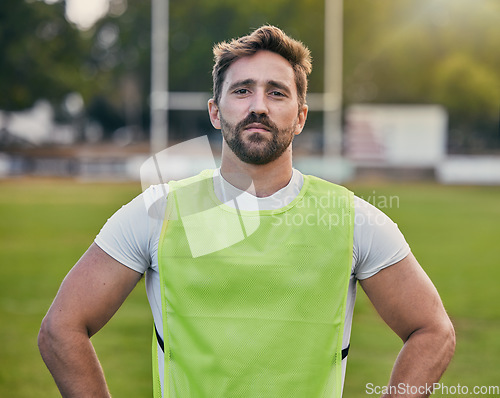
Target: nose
x=258 y=104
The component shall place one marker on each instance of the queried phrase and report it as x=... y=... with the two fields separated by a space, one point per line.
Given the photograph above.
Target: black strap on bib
x=160 y=340
x=345 y=351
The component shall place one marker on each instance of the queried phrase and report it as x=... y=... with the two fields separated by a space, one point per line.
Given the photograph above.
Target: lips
x=257 y=127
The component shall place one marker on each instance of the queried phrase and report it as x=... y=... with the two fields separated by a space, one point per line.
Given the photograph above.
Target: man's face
x=258 y=109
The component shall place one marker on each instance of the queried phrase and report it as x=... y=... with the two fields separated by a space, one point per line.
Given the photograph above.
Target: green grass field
x=46 y=225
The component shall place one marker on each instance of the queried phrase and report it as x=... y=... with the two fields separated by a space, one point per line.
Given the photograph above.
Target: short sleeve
x=378 y=242
x=130 y=235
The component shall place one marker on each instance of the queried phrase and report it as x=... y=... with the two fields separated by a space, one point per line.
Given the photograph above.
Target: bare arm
x=408 y=302
x=88 y=297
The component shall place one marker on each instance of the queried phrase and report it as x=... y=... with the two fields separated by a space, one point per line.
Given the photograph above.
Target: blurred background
x=399 y=85
x=404 y=109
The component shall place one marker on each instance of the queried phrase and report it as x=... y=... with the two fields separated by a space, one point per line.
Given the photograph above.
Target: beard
x=259 y=149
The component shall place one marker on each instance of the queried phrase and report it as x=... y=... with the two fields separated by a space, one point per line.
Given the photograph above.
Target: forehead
x=263 y=66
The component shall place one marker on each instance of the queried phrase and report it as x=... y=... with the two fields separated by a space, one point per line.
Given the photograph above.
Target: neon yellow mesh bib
x=254 y=301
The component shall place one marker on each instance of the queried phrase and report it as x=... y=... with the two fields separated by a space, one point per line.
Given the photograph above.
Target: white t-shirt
x=132 y=234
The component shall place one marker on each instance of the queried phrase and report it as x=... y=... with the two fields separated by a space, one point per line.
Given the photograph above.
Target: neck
x=260 y=180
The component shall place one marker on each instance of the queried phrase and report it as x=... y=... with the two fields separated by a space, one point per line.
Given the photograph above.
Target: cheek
x=287 y=117
x=232 y=113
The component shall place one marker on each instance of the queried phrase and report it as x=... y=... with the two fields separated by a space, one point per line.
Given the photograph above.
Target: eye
x=241 y=91
x=276 y=93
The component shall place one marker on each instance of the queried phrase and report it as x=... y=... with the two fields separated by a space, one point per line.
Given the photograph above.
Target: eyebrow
x=281 y=86
x=252 y=82
x=240 y=83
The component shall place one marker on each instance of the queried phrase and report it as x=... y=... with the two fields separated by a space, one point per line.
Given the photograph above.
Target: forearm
x=72 y=361
x=421 y=362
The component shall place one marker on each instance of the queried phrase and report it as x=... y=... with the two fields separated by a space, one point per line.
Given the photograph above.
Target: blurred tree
x=428 y=51
x=41 y=54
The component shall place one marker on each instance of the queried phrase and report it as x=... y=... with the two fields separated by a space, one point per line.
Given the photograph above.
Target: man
x=251 y=269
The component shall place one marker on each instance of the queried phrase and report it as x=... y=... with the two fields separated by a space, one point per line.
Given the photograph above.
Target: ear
x=301 y=119
x=213 y=111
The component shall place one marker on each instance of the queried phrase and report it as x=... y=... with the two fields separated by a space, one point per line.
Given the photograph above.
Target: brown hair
x=268 y=38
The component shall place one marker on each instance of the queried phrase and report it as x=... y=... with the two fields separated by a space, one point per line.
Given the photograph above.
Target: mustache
x=255 y=118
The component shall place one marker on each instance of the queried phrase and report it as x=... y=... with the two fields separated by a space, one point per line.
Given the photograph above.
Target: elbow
x=439 y=339
x=450 y=339
x=445 y=342
x=58 y=335
x=49 y=338
x=45 y=338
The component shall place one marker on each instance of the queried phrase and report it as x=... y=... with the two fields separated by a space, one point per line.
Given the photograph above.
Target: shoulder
x=378 y=241
x=154 y=199
x=130 y=234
